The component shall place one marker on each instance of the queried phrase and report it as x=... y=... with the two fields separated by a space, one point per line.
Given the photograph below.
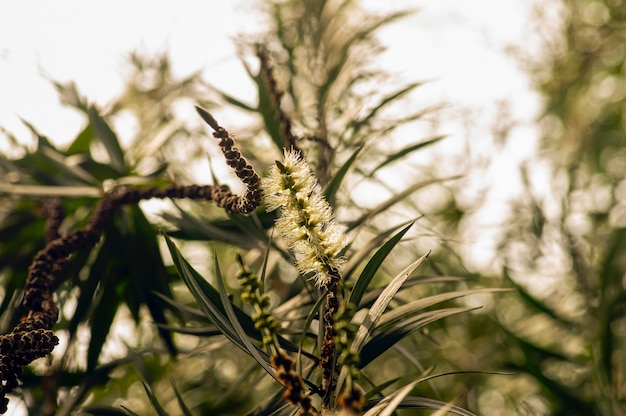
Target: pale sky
x=459 y=45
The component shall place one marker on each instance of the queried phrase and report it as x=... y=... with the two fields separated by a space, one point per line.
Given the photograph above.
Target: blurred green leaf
x=227 y=231
x=198 y=331
x=153 y=400
x=47 y=191
x=129 y=412
x=234 y=101
x=103 y=411
x=82 y=142
x=268 y=112
x=405 y=151
x=148 y=275
x=356 y=125
x=69 y=95
x=181 y=402
x=109 y=139
x=333 y=186
x=401 y=313
x=103 y=313
x=537 y=304
x=85 y=301
x=188 y=310
x=383 y=206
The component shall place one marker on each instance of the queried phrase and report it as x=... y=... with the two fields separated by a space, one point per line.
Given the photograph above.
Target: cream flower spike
x=306 y=220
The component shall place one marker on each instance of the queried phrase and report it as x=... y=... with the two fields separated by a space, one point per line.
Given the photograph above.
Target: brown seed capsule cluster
x=55 y=212
x=351 y=402
x=294 y=386
x=33 y=337
x=276 y=95
x=18 y=349
x=329 y=370
x=245 y=172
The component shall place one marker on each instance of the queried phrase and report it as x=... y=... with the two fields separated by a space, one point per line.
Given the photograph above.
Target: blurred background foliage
x=126 y=313
x=564 y=251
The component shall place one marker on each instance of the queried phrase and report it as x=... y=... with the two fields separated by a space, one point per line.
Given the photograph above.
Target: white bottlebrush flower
x=306 y=220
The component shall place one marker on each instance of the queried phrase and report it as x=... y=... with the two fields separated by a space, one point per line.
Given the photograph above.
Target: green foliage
x=573 y=233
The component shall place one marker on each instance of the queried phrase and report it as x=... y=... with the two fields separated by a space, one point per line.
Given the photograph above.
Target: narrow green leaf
x=102 y=411
x=567 y=398
x=329 y=82
x=535 y=303
x=147 y=277
x=234 y=101
x=382 y=302
x=181 y=402
x=195 y=313
x=410 y=308
x=251 y=229
x=109 y=139
x=389 y=337
x=101 y=321
x=536 y=354
x=104 y=171
x=405 y=152
x=375 y=312
x=71 y=173
x=444 y=410
x=412 y=402
x=149 y=146
x=370 y=297
x=198 y=331
x=377 y=389
x=367 y=251
x=82 y=383
x=199 y=228
x=373 y=265
x=388 y=405
x=397 y=198
x=97 y=273
x=307 y=324
x=208 y=299
x=257 y=354
x=82 y=142
x=333 y=186
x=129 y=412
x=42 y=141
x=69 y=95
x=611 y=277
x=153 y=400
x=266 y=109
x=358 y=124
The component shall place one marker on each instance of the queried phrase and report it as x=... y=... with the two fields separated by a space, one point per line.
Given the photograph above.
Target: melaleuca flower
x=306 y=221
